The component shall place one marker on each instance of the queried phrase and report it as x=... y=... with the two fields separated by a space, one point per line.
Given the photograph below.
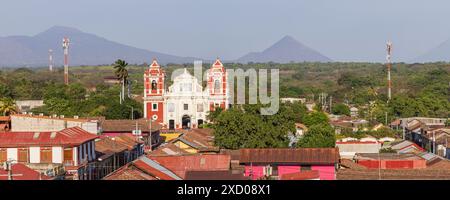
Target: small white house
x=70 y=148
x=354 y=112
x=386 y=139
x=40 y=123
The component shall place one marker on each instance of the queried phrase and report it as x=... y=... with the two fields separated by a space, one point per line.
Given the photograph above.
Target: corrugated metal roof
x=22 y=172
x=214 y=175
x=69 y=136
x=157 y=169
x=306 y=156
x=124 y=125
x=198 y=162
x=304 y=175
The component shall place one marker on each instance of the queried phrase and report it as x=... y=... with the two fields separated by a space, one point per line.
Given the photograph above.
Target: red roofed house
x=176 y=168
x=198 y=162
x=70 y=148
x=277 y=163
x=390 y=161
x=22 y=172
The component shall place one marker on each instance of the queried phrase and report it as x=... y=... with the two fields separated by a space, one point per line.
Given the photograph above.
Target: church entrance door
x=186 y=122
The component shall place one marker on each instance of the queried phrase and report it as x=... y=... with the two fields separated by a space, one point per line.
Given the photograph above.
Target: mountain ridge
x=285 y=50
x=86 y=49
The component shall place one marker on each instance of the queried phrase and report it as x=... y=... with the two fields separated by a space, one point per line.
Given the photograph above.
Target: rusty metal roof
x=126 y=125
x=198 y=162
x=214 y=175
x=305 y=156
x=65 y=137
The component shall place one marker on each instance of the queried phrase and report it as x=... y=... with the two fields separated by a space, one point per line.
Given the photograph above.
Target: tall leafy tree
x=318 y=136
x=8 y=106
x=121 y=73
x=245 y=127
x=340 y=109
x=315 y=118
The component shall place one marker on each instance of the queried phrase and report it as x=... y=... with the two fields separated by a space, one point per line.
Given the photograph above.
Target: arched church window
x=216 y=86
x=154 y=85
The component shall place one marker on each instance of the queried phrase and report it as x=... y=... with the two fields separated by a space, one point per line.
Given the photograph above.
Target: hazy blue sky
x=343 y=30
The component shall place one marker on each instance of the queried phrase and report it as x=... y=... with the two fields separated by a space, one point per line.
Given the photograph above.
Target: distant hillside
x=439 y=53
x=284 y=51
x=86 y=49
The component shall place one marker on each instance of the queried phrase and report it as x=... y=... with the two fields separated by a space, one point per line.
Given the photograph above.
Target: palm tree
x=8 y=106
x=122 y=74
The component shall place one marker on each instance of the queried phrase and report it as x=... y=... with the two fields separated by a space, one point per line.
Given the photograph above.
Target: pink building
x=279 y=162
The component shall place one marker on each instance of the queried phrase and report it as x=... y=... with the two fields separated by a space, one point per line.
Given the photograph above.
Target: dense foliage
x=318 y=136
x=245 y=127
x=418 y=89
x=340 y=109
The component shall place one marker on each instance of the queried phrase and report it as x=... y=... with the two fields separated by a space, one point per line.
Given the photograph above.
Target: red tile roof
x=151 y=170
x=129 y=172
x=107 y=145
x=22 y=172
x=319 y=156
x=305 y=175
x=215 y=175
x=127 y=125
x=207 y=162
x=67 y=137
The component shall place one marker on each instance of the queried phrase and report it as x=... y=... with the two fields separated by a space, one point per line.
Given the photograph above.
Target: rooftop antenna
x=65 y=45
x=388 y=58
x=50 y=59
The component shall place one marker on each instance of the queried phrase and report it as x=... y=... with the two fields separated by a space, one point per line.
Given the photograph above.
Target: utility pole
x=404 y=127
x=50 y=60
x=7 y=167
x=150 y=134
x=66 y=43
x=388 y=58
x=331 y=99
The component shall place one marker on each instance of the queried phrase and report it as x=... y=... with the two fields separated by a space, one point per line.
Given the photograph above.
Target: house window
x=216 y=86
x=22 y=155
x=68 y=156
x=46 y=155
x=199 y=107
x=187 y=87
x=186 y=107
x=154 y=85
x=155 y=107
x=3 y=155
x=171 y=107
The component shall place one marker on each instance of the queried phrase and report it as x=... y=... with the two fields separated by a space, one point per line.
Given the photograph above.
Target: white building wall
x=93 y=150
x=75 y=156
x=35 y=154
x=11 y=154
x=89 y=154
x=57 y=155
x=40 y=124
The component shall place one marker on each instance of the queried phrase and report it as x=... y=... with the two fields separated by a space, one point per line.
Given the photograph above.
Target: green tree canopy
x=340 y=109
x=318 y=136
x=244 y=127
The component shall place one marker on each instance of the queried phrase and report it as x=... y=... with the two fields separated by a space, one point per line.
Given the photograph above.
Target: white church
x=185 y=104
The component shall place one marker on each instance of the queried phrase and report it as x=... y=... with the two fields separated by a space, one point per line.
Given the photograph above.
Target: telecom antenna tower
x=65 y=45
x=50 y=59
x=388 y=58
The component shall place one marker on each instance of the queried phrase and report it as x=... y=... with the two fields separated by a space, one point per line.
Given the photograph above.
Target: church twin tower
x=184 y=104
